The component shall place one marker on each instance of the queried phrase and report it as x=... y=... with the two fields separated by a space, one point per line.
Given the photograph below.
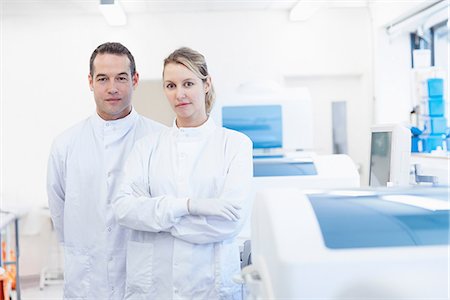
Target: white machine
x=306 y=171
x=350 y=244
x=275 y=120
x=390 y=155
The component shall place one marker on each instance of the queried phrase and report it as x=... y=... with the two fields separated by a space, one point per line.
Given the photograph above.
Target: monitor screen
x=261 y=123
x=380 y=158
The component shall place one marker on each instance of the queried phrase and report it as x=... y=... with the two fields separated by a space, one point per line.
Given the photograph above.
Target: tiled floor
x=50 y=292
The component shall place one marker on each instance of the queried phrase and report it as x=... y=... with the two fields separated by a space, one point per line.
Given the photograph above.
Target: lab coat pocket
x=77 y=267
x=139 y=268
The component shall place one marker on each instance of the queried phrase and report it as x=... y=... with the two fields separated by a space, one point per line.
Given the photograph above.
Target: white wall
x=45 y=65
x=392 y=78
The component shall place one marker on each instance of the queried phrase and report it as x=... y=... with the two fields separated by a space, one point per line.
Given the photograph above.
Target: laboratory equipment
x=261 y=123
x=282 y=120
x=374 y=243
x=276 y=121
x=279 y=123
x=305 y=170
x=390 y=155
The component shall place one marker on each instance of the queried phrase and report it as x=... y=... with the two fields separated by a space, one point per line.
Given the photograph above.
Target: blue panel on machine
x=261 y=123
x=371 y=221
x=282 y=168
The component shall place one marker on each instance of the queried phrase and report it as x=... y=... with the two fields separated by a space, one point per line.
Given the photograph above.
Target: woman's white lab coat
x=189 y=257
x=84 y=167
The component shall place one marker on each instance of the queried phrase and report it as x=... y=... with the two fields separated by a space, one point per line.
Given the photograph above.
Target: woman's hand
x=214 y=207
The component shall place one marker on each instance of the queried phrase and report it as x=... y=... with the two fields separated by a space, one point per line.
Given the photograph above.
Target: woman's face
x=186 y=94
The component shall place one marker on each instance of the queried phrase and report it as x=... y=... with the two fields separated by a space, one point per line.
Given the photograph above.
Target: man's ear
x=91 y=82
x=135 y=80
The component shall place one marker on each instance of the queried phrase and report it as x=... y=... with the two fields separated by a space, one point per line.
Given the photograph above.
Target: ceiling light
x=304 y=10
x=113 y=12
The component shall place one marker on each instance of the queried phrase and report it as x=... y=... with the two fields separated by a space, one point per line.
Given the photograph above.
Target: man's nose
x=112 y=88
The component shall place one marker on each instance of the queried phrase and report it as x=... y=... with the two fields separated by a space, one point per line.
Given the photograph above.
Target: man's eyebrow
x=104 y=75
x=100 y=75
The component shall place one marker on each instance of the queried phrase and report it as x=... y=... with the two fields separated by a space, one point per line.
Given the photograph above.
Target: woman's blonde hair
x=195 y=62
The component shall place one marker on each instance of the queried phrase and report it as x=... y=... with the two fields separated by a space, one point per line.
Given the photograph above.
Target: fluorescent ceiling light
x=348 y=3
x=113 y=12
x=304 y=10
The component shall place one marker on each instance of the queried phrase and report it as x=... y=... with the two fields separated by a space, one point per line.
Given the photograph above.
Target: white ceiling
x=44 y=7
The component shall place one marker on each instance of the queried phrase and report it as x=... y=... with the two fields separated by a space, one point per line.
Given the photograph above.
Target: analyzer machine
x=350 y=244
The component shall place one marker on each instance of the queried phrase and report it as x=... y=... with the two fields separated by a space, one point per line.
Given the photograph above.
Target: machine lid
x=282 y=168
x=383 y=219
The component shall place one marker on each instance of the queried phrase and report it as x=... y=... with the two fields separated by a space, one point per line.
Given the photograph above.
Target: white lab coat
x=83 y=169
x=189 y=257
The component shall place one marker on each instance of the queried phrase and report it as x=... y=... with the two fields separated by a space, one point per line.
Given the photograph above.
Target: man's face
x=112 y=85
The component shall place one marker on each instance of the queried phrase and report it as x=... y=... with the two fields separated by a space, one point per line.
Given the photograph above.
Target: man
x=83 y=171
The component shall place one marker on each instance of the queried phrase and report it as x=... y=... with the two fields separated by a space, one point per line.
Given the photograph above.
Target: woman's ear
x=207 y=84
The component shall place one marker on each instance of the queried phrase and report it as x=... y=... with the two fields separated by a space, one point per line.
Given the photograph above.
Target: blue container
x=435 y=125
x=431 y=142
x=436 y=106
x=415 y=141
x=435 y=87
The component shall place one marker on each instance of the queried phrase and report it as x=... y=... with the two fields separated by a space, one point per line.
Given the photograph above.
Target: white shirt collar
x=117 y=125
x=194 y=132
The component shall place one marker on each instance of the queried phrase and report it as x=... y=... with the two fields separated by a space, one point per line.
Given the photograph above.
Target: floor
x=31 y=291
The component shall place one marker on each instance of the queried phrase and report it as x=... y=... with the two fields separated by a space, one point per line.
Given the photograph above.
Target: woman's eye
x=170 y=85
x=188 y=84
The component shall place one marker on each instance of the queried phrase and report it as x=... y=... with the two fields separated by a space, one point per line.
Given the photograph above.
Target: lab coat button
x=109 y=229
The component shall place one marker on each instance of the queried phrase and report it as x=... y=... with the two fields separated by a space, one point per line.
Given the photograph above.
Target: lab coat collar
x=114 y=125
x=194 y=132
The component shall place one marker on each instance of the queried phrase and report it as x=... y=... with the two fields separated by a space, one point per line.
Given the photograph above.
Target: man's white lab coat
x=83 y=169
x=189 y=257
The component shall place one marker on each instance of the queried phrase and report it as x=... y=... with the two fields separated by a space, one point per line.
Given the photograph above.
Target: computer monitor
x=261 y=123
x=390 y=155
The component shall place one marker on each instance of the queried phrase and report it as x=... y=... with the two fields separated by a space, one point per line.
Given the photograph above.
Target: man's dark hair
x=112 y=48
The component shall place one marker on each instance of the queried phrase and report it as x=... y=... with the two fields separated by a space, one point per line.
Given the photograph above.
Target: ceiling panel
x=48 y=7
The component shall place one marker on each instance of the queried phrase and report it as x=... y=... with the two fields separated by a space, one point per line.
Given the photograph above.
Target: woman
x=186 y=195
